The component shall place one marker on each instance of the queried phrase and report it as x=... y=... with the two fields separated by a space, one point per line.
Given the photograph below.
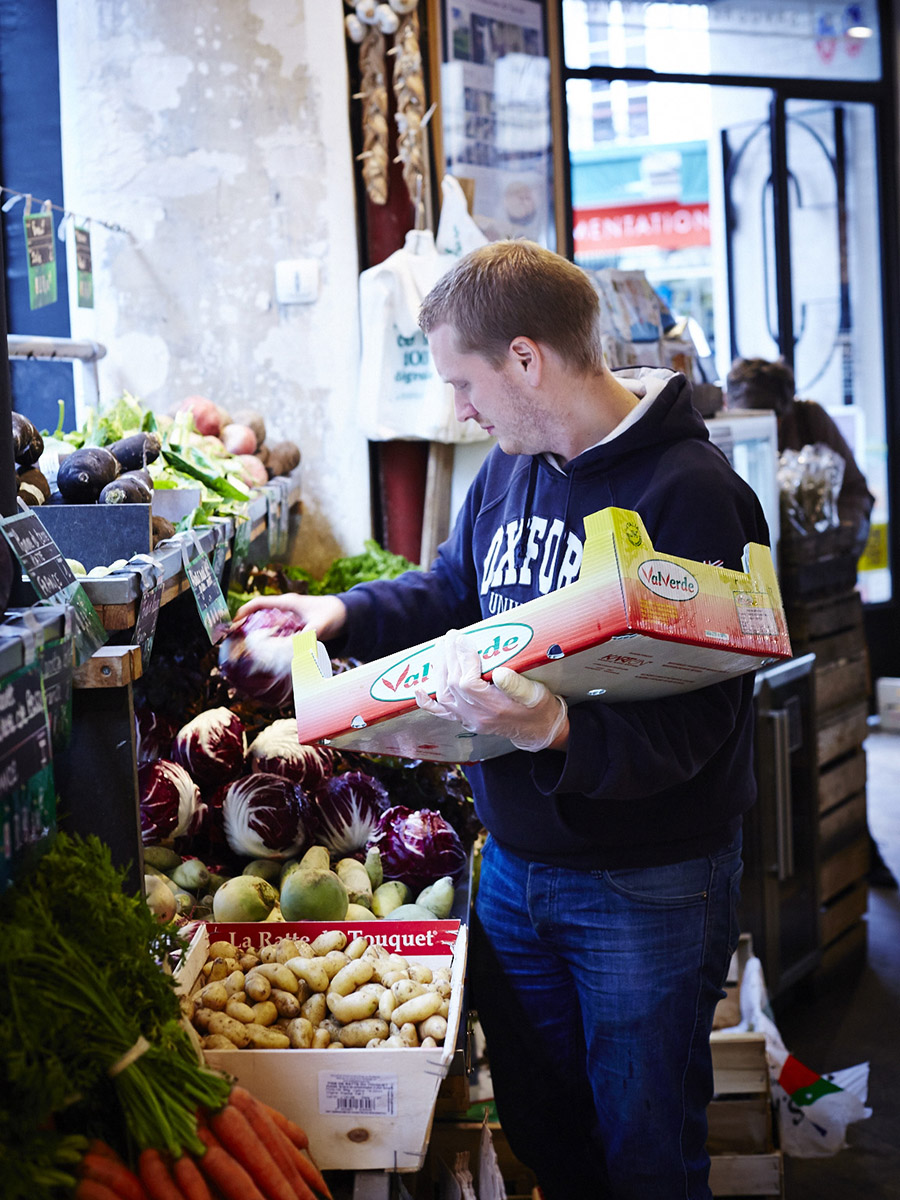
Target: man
x=757 y=383
x=605 y=917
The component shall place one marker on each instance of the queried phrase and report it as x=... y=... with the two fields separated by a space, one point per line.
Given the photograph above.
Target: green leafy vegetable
x=373 y=563
x=191 y=461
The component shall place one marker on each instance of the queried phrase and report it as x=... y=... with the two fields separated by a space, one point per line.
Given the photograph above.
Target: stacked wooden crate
x=742 y=1139
x=744 y=1160
x=832 y=628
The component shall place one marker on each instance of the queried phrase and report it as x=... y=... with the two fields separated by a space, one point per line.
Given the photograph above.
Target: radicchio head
x=265 y=816
x=211 y=746
x=170 y=804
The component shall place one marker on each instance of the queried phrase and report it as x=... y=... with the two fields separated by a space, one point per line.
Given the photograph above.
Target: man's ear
x=527 y=358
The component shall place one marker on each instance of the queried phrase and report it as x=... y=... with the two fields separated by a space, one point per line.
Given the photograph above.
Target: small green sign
x=83 y=267
x=41 y=251
x=211 y=603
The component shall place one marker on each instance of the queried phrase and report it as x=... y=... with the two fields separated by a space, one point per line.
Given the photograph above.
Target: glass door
x=802 y=274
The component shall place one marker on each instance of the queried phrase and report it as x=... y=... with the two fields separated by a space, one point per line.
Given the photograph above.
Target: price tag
x=240 y=550
x=39 y=247
x=52 y=579
x=273 y=516
x=152 y=579
x=284 y=516
x=27 y=792
x=39 y=556
x=57 y=666
x=84 y=267
x=208 y=594
x=220 y=553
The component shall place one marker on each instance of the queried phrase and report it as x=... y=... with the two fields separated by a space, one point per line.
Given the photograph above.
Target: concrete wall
x=216 y=134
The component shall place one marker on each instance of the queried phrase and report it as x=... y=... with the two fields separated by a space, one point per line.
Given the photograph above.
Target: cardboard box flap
x=637 y=624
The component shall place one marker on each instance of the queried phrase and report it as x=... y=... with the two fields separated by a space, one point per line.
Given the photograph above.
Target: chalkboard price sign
x=207 y=591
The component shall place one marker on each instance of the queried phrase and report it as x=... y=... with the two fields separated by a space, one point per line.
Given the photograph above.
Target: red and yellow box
x=637 y=624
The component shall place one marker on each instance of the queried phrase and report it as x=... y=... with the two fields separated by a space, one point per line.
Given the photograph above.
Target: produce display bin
x=366 y=1109
x=637 y=624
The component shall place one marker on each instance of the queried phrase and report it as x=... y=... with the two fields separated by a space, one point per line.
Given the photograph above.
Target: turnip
x=239 y=439
x=244 y=898
x=256 y=421
x=252 y=471
x=207 y=415
x=160 y=899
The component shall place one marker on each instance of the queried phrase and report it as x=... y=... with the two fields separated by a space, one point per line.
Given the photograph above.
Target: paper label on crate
x=357 y=1095
x=754 y=615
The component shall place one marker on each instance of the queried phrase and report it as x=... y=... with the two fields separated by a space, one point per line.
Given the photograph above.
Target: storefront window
x=794 y=39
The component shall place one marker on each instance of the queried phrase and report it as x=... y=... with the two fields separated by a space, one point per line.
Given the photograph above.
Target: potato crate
x=362 y=1109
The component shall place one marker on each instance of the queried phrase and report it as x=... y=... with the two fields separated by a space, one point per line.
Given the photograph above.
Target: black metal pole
x=782 y=229
x=8 y=486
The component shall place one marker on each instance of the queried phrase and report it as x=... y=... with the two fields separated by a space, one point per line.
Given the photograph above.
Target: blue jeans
x=596 y=992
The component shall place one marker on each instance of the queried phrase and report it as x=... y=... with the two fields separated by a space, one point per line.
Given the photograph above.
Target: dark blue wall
x=31 y=161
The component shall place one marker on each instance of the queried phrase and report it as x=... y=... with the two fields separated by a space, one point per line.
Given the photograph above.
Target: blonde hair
x=510 y=289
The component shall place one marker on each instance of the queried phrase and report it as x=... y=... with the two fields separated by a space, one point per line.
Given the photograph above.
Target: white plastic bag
x=400 y=393
x=812 y=1111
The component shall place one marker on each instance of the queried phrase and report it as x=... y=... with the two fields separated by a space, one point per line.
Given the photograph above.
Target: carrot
x=294 y=1132
x=225 y=1172
x=97 y=1146
x=156 y=1178
x=113 y=1173
x=280 y=1146
x=92 y=1189
x=311 y=1172
x=242 y=1142
x=190 y=1179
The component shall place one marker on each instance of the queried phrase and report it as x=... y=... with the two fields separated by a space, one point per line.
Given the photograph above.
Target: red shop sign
x=667 y=224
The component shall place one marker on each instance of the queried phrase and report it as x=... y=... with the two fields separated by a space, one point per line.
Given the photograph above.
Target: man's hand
x=519 y=709
x=326 y=614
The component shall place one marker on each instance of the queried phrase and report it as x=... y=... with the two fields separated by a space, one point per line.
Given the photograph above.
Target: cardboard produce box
x=637 y=624
x=362 y=1109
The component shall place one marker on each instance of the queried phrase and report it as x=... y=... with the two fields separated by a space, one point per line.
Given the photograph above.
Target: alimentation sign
x=669 y=224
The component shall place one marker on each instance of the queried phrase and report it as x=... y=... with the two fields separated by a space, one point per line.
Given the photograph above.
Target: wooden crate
x=841 y=680
x=844 y=869
x=841 y=779
x=841 y=732
x=817 y=622
x=843 y=912
x=744 y=1160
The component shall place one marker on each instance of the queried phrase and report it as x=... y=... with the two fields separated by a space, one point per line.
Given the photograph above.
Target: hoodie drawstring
x=526 y=511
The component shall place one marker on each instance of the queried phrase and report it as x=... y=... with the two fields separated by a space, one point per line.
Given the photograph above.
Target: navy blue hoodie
x=640 y=783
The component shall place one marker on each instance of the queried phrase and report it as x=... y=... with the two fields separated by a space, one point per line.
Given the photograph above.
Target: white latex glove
x=522 y=710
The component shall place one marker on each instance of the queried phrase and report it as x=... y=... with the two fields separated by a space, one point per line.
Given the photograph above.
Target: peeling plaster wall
x=216 y=134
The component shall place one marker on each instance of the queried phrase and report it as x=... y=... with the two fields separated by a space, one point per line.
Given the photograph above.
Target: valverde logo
x=668 y=579
x=497 y=645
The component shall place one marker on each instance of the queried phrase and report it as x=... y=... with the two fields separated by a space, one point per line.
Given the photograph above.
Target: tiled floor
x=858 y=1020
